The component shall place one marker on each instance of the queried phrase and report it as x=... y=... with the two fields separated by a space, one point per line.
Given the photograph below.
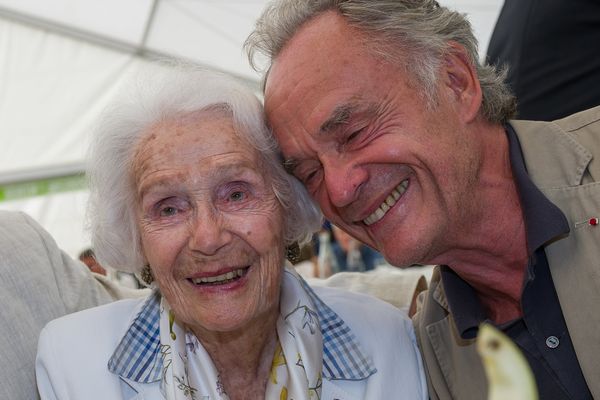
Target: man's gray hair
x=165 y=92
x=416 y=33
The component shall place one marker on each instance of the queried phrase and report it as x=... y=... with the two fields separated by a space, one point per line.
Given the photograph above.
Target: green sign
x=41 y=187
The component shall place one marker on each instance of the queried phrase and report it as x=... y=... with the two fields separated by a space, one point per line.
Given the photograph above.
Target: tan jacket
x=563 y=160
x=38 y=282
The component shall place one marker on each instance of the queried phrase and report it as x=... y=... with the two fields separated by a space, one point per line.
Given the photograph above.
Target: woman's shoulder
x=374 y=322
x=99 y=328
x=73 y=352
x=109 y=315
x=360 y=305
x=385 y=334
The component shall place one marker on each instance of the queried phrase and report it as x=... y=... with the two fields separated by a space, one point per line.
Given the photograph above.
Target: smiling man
x=383 y=111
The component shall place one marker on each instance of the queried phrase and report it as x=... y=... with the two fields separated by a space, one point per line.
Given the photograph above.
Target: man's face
x=382 y=165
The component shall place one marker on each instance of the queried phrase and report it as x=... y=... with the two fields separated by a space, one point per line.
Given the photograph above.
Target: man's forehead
x=306 y=48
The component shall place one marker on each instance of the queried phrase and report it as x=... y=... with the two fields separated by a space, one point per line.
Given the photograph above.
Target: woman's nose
x=343 y=180
x=208 y=233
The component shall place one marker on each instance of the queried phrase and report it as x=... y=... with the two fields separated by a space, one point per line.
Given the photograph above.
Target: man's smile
x=387 y=204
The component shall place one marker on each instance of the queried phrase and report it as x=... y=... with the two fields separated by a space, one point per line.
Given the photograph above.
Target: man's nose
x=208 y=232
x=343 y=180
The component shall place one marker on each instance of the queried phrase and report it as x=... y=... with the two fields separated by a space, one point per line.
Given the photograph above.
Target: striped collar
x=138 y=355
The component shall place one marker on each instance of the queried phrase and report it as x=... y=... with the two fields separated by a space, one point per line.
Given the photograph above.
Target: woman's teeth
x=387 y=203
x=220 y=279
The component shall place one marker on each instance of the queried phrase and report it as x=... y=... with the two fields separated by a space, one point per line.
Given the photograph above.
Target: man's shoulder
x=580 y=120
x=18 y=231
x=9 y=218
x=559 y=153
x=581 y=123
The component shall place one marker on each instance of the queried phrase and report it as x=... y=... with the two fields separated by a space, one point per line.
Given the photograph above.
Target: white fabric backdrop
x=61 y=61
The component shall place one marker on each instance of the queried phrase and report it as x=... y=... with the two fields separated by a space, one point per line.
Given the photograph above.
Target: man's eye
x=310 y=176
x=354 y=135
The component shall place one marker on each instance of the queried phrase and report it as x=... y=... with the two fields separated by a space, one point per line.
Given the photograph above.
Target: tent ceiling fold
x=206 y=32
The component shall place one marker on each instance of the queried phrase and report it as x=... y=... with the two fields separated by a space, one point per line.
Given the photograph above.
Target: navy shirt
x=542 y=332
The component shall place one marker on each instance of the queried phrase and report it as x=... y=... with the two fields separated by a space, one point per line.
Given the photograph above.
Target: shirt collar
x=138 y=357
x=543 y=222
x=137 y=354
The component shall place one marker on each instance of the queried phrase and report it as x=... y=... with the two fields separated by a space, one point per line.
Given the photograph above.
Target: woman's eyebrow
x=235 y=168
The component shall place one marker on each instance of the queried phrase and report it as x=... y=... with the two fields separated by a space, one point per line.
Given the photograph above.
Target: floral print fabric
x=189 y=373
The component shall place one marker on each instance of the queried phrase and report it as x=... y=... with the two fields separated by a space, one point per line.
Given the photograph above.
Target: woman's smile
x=222 y=278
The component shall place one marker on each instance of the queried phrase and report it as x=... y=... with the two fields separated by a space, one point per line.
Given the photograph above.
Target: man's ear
x=460 y=77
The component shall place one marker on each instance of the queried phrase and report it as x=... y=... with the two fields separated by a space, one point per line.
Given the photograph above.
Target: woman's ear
x=460 y=77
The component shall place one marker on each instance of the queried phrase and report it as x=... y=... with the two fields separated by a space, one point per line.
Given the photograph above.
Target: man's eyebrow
x=340 y=116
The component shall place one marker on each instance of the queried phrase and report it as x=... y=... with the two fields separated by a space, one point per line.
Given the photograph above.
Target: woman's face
x=211 y=227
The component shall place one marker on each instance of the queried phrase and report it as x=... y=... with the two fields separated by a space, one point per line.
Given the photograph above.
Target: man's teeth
x=223 y=278
x=387 y=203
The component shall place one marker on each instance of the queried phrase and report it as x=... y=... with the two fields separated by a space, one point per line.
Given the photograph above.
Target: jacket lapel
x=457 y=358
x=574 y=260
x=577 y=288
x=342 y=390
x=133 y=390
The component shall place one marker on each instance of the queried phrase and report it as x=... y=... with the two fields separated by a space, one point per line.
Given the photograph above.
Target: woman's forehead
x=203 y=144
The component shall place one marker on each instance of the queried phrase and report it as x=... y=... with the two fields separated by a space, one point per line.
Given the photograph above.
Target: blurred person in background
x=125 y=279
x=88 y=257
x=38 y=283
x=551 y=50
x=351 y=254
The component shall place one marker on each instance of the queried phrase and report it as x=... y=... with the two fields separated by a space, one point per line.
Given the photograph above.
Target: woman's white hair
x=166 y=91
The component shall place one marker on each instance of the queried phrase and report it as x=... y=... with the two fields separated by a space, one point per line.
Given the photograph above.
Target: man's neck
x=490 y=251
x=496 y=272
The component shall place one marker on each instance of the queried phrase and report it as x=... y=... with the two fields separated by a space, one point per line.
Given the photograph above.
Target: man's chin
x=400 y=258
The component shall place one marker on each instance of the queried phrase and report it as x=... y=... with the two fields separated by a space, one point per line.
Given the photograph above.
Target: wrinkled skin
x=207 y=208
x=356 y=127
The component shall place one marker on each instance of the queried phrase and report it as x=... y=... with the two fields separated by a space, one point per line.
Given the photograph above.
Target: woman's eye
x=168 y=211
x=237 y=196
x=170 y=207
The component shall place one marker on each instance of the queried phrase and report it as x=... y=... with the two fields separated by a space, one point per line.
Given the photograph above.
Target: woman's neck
x=243 y=358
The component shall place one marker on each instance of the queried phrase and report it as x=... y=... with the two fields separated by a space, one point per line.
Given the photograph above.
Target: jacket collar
x=553 y=157
x=138 y=355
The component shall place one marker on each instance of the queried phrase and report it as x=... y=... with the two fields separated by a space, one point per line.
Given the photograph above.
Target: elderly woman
x=187 y=190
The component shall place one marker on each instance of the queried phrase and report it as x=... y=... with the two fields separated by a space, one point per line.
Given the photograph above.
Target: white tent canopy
x=61 y=62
